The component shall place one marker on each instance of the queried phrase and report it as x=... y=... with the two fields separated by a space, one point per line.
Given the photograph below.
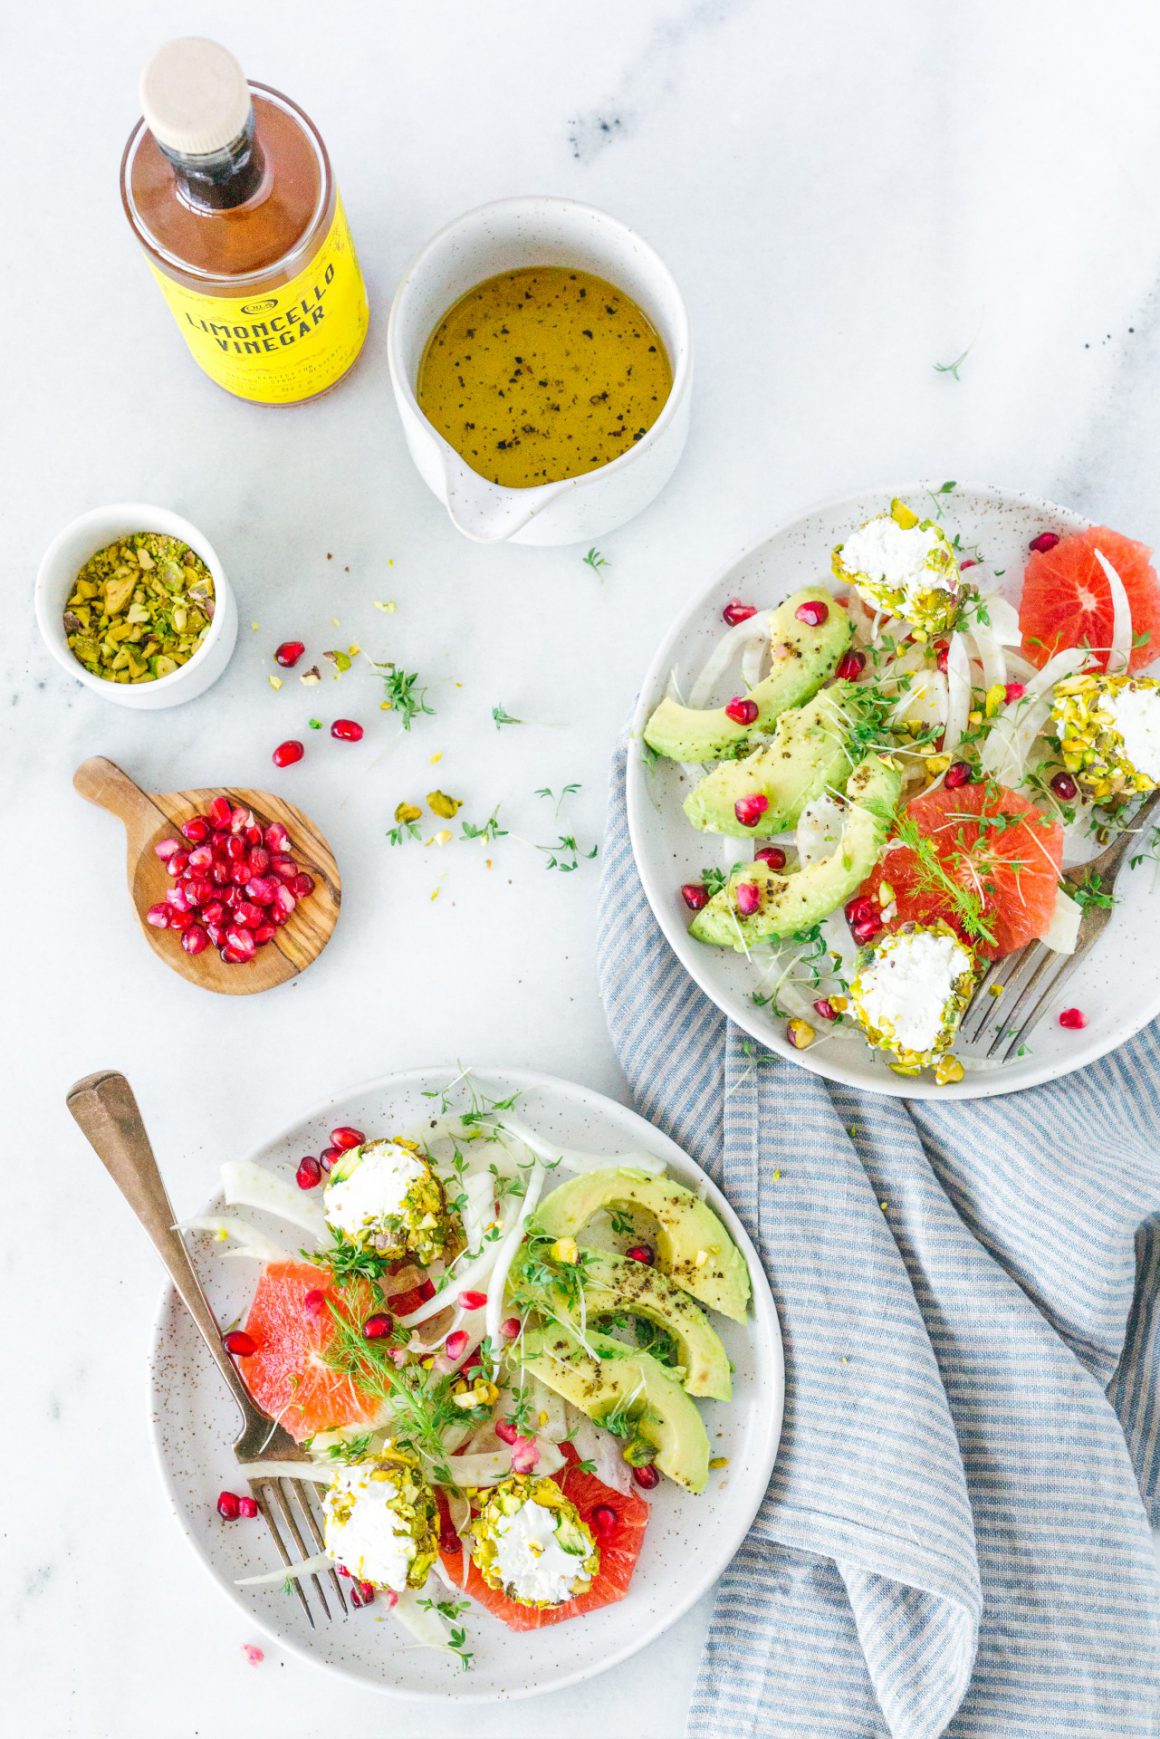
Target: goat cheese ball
x=1109 y=733
x=910 y=992
x=385 y=1196
x=904 y=566
x=380 y=1521
x=529 y=1542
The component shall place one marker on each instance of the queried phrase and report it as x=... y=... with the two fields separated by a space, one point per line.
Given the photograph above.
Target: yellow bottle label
x=281 y=345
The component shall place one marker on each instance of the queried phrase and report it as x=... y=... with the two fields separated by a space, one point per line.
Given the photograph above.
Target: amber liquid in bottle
x=251 y=248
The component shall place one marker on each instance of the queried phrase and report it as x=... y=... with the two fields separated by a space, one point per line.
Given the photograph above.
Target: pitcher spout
x=484 y=512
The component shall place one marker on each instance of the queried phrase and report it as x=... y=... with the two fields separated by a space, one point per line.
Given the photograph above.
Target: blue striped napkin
x=956 y=1536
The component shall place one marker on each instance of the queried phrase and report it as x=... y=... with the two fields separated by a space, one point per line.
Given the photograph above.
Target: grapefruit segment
x=619 y=1543
x=287 y=1374
x=1067 y=602
x=981 y=857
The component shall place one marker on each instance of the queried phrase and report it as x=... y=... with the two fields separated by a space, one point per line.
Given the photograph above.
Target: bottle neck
x=221 y=179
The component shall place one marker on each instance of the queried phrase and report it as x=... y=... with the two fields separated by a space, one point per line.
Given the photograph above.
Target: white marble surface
x=848 y=195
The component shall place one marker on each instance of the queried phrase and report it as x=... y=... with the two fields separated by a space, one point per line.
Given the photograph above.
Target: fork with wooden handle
x=104 y=1107
x=1023 y=984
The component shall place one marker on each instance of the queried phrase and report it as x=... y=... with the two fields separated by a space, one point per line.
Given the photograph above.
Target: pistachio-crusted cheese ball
x=904 y=565
x=529 y=1542
x=911 y=990
x=385 y=1196
x=1109 y=733
x=381 y=1522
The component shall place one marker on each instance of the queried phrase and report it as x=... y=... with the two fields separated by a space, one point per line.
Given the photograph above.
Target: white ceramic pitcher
x=538 y=231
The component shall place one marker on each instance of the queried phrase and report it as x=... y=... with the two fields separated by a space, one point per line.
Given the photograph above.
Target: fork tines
x=1014 y=994
x=275 y=1495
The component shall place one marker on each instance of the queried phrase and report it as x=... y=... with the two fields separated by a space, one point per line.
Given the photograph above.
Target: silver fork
x=1015 y=991
x=104 y=1107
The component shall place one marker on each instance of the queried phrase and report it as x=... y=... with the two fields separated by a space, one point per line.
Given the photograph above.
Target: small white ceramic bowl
x=71 y=548
x=501 y=237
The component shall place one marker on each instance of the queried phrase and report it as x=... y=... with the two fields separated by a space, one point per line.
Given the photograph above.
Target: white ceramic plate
x=689 y=1542
x=1118 y=987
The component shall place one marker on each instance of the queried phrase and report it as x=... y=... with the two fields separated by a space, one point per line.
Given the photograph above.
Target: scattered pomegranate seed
x=813 y=613
x=287 y=753
x=748 y=898
x=361 y=1593
x=735 y=611
x=380 y=1324
x=1045 y=541
x=239 y=1343
x=289 y=653
x=865 y=931
x=220 y=811
x=195 y=940
x=247 y=1507
x=647 y=1476
x=227 y=1506
x=958 y=773
x=253 y=1653
x=456 y=1344
x=695 y=895
x=510 y=1328
x=825 y=1009
x=1064 y=786
x=196 y=829
x=347 y=731
x=941 y=650
x=159 y=915
x=165 y=848
x=772 y=855
x=602 y=1520
x=641 y=1253
x=749 y=810
x=314 y=1303
x=328 y=1156
x=1072 y=1018
x=740 y=710
x=472 y=1300
x=344 y=1136
x=1013 y=692
x=851 y=665
x=309 y=1173
x=506 y=1431
x=859 y=908
x=969 y=563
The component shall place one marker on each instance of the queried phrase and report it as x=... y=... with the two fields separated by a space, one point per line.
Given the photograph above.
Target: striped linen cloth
x=953 y=1539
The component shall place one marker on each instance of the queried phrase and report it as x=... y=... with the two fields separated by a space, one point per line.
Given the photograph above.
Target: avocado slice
x=806 y=757
x=612 y=1283
x=693 y=1248
x=803 y=657
x=792 y=903
x=619 y=1380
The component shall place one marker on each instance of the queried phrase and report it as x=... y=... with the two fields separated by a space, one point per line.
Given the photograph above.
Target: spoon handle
x=103 y=783
x=104 y=1107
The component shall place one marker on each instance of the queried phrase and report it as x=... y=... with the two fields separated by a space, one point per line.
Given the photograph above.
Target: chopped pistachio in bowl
x=90 y=592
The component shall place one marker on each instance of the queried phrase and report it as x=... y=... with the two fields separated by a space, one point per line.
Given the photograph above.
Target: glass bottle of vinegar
x=229 y=190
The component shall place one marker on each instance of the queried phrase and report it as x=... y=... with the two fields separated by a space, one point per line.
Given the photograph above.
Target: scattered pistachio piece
x=447 y=808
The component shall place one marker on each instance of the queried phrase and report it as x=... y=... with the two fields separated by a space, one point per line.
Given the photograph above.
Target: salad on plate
x=901 y=762
x=490 y=1348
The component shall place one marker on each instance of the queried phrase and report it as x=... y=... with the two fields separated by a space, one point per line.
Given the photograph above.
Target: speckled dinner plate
x=1118 y=986
x=689 y=1541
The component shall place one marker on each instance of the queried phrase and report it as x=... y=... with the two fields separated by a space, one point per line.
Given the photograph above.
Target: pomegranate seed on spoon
x=277 y=839
x=196 y=829
x=302 y=885
x=195 y=940
x=220 y=810
x=165 y=848
x=159 y=915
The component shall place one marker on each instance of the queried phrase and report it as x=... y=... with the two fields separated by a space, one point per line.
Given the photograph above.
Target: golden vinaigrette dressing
x=543 y=373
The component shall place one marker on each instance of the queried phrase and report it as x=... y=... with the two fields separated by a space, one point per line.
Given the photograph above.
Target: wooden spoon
x=150 y=816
